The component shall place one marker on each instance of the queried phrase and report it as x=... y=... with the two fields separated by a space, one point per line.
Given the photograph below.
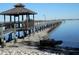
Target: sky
x=48 y=11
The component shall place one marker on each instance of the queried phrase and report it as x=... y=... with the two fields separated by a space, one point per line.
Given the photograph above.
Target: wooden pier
x=25 y=24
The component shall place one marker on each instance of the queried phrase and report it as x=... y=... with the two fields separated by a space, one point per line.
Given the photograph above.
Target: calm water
x=68 y=32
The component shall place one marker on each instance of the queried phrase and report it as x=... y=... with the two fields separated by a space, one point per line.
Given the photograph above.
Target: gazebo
x=18 y=11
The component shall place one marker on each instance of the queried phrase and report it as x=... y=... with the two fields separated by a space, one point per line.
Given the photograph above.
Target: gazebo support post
x=4 y=19
x=27 y=19
x=22 y=21
x=23 y=26
x=18 y=26
x=10 y=19
x=10 y=22
x=15 y=40
x=26 y=24
x=29 y=24
x=33 y=24
x=18 y=21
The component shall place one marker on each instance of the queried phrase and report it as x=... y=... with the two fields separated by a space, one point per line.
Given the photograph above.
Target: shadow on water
x=53 y=46
x=61 y=51
x=50 y=46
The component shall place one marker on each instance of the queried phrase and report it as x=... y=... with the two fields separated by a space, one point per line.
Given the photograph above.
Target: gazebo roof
x=18 y=10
